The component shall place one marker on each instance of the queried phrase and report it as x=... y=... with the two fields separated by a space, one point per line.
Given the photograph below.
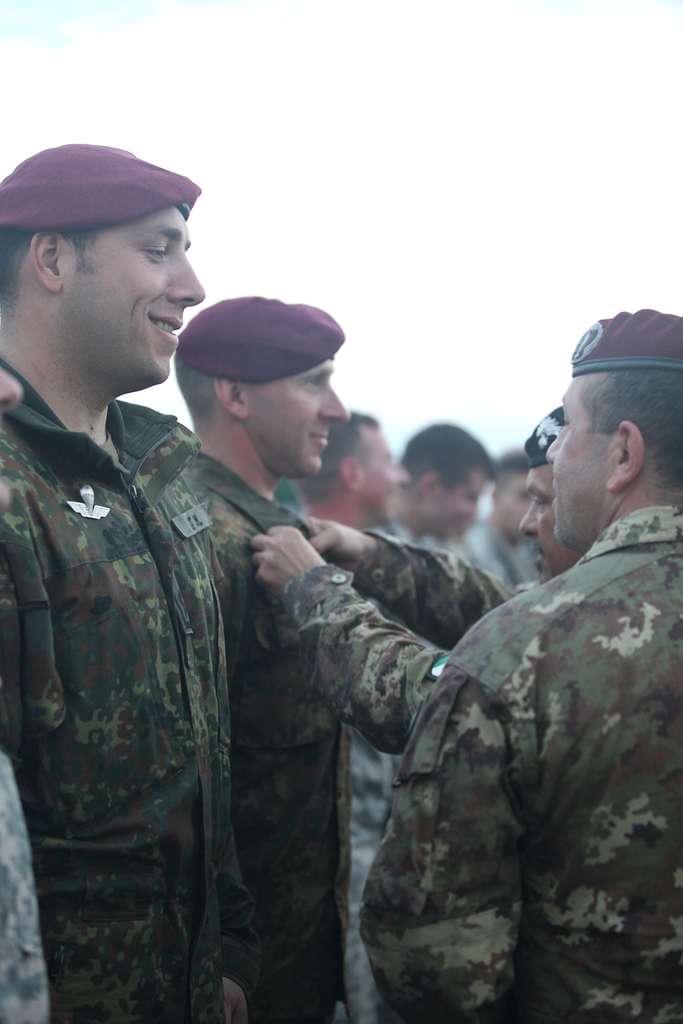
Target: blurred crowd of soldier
x=293 y=731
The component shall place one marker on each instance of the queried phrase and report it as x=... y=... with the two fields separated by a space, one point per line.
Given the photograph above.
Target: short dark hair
x=13 y=248
x=344 y=439
x=449 y=451
x=196 y=387
x=511 y=464
x=650 y=398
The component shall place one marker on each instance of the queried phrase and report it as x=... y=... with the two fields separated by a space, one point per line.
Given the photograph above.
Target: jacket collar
x=227 y=484
x=652 y=525
x=149 y=444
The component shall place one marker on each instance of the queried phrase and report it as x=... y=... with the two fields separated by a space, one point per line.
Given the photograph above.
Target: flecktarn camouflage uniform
x=290 y=774
x=114 y=703
x=23 y=980
x=536 y=844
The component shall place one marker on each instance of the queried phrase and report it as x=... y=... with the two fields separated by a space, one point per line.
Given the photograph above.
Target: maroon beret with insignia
x=255 y=339
x=81 y=188
x=631 y=341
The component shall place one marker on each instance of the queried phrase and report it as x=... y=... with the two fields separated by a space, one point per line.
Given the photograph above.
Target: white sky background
x=464 y=186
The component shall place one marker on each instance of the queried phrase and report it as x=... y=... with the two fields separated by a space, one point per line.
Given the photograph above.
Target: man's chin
x=149 y=379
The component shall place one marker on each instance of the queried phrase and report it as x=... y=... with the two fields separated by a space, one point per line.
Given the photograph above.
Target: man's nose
x=187 y=289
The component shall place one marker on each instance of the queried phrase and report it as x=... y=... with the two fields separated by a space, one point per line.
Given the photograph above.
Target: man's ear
x=626 y=457
x=350 y=473
x=50 y=256
x=232 y=397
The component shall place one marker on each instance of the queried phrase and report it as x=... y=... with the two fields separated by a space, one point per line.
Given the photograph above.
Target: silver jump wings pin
x=87 y=508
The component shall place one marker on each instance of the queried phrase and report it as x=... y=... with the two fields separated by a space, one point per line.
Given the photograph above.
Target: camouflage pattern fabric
x=387 y=672
x=372 y=775
x=533 y=867
x=290 y=771
x=115 y=704
x=23 y=981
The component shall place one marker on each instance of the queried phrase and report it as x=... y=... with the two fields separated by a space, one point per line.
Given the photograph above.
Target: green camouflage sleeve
x=442 y=901
x=435 y=594
x=372 y=673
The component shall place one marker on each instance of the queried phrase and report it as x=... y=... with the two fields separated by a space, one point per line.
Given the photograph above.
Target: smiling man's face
x=124 y=302
x=289 y=420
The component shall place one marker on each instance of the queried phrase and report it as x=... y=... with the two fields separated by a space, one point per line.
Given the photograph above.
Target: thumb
x=324 y=540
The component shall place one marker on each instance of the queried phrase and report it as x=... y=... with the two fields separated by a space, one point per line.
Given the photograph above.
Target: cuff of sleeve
x=306 y=591
x=388 y=558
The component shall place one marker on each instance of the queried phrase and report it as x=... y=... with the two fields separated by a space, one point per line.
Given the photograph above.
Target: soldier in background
x=538 y=522
x=359 y=480
x=114 y=699
x=357 y=485
x=448 y=470
x=23 y=980
x=497 y=544
x=256 y=376
x=541 y=782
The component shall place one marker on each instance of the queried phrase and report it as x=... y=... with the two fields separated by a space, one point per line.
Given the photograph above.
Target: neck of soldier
x=77 y=402
x=234 y=449
x=342 y=507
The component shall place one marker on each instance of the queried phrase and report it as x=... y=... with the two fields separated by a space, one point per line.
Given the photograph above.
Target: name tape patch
x=193 y=521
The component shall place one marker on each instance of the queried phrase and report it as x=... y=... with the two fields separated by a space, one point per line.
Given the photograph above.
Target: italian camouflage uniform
x=533 y=868
x=387 y=672
x=290 y=778
x=114 y=702
x=23 y=981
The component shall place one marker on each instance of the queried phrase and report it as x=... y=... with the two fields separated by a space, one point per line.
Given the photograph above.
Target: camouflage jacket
x=387 y=672
x=533 y=868
x=23 y=981
x=114 y=704
x=290 y=779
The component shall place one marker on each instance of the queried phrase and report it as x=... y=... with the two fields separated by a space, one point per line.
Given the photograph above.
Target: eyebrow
x=318 y=373
x=174 y=235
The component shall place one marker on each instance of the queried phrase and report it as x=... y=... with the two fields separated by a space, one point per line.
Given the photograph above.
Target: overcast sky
x=465 y=187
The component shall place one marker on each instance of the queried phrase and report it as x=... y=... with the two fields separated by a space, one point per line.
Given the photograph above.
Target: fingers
x=326 y=539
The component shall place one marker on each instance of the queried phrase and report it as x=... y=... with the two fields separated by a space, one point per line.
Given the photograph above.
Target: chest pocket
x=272 y=706
x=123 y=728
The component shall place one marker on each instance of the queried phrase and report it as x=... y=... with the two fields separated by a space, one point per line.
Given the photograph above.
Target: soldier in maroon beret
x=114 y=701
x=626 y=389
x=256 y=375
x=541 y=780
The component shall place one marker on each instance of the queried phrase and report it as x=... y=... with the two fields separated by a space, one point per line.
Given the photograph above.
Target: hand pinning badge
x=87 y=508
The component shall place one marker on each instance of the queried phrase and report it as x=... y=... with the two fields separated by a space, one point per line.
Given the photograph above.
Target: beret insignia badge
x=546 y=432
x=588 y=342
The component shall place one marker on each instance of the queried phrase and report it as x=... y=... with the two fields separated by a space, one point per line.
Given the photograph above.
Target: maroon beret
x=80 y=188
x=631 y=341
x=254 y=339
